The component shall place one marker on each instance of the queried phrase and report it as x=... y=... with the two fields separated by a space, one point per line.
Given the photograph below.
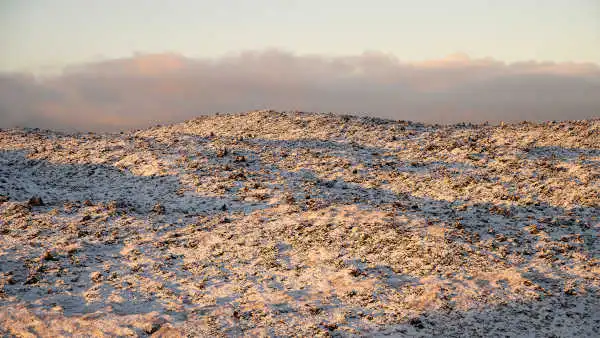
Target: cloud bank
x=162 y=88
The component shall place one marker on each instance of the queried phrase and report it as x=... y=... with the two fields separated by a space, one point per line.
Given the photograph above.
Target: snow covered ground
x=269 y=223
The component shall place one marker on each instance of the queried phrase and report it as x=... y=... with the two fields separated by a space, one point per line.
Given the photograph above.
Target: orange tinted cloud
x=162 y=88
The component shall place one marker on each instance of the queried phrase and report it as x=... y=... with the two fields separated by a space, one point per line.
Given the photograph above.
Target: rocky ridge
x=287 y=223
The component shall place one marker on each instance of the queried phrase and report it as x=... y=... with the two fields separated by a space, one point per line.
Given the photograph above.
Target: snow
x=328 y=225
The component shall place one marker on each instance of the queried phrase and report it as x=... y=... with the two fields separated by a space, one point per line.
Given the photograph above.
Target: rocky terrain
x=299 y=224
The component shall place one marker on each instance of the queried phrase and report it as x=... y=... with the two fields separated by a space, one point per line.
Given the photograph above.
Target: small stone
x=35 y=201
x=150 y=328
x=31 y=279
x=96 y=276
x=313 y=310
x=329 y=326
x=48 y=256
x=222 y=152
x=10 y=280
x=416 y=322
x=533 y=229
x=159 y=209
x=355 y=272
x=289 y=199
x=86 y=218
x=168 y=331
x=351 y=293
x=570 y=289
x=224 y=207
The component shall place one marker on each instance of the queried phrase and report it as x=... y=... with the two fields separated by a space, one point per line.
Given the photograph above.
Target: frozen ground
x=280 y=224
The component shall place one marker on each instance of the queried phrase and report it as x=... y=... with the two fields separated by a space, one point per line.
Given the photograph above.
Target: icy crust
x=301 y=224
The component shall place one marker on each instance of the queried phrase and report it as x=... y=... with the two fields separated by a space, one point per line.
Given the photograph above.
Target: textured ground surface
x=282 y=224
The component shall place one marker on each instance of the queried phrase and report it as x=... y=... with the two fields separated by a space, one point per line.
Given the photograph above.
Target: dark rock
x=222 y=152
x=289 y=198
x=168 y=331
x=570 y=290
x=355 y=272
x=35 y=201
x=31 y=279
x=10 y=280
x=237 y=176
x=159 y=209
x=152 y=327
x=48 y=256
x=416 y=322
x=313 y=309
x=330 y=326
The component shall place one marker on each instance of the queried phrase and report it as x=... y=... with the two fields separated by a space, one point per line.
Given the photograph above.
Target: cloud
x=162 y=88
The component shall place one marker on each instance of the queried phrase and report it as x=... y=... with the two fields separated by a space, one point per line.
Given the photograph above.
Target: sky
x=45 y=34
x=435 y=61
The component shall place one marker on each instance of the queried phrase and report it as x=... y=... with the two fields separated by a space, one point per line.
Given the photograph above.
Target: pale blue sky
x=39 y=35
